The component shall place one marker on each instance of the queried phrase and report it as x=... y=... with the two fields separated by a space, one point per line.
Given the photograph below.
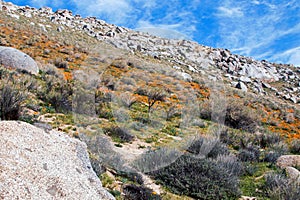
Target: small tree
x=153 y=96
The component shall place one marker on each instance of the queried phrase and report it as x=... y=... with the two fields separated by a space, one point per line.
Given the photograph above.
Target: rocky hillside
x=162 y=119
x=241 y=72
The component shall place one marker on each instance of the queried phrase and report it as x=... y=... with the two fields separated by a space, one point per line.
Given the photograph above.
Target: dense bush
x=208 y=147
x=275 y=151
x=205 y=171
x=201 y=178
x=10 y=102
x=119 y=133
x=267 y=139
x=239 y=116
x=56 y=92
x=278 y=187
x=249 y=154
x=295 y=146
x=134 y=192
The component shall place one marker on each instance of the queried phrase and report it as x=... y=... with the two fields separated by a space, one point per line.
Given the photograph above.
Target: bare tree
x=154 y=95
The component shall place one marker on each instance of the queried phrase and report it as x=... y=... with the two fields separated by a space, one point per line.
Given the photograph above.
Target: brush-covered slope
x=163 y=119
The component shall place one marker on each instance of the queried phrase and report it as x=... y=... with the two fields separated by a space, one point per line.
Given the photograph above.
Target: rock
x=245 y=79
x=38 y=165
x=242 y=86
x=293 y=173
x=11 y=57
x=247 y=198
x=288 y=161
x=186 y=76
x=293 y=99
x=266 y=85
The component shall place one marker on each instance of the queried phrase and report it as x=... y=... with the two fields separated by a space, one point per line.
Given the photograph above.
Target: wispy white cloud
x=261 y=29
x=162 y=30
x=289 y=56
x=229 y=12
x=116 y=11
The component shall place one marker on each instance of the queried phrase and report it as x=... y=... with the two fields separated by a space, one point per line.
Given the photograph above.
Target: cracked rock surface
x=39 y=165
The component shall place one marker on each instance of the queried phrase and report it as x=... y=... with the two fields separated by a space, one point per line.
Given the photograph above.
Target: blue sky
x=262 y=29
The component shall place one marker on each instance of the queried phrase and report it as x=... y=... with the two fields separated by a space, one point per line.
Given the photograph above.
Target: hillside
x=162 y=119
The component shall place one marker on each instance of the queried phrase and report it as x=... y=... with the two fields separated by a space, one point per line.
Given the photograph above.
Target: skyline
x=268 y=29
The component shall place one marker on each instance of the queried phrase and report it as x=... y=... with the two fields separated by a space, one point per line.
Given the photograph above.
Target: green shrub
x=295 y=146
x=10 y=102
x=201 y=178
x=119 y=133
x=134 y=192
x=239 y=116
x=208 y=147
x=274 y=152
x=249 y=154
x=278 y=187
x=267 y=139
x=56 y=92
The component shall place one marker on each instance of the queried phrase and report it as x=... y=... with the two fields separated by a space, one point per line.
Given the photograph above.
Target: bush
x=57 y=92
x=249 y=154
x=268 y=139
x=10 y=103
x=275 y=152
x=119 y=133
x=201 y=178
x=295 y=146
x=238 y=116
x=278 y=186
x=208 y=147
x=134 y=192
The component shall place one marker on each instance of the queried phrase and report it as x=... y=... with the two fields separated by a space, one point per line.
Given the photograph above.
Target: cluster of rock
x=38 y=165
x=242 y=72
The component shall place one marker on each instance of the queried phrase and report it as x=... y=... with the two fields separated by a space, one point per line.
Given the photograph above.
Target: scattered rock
x=38 y=165
x=11 y=57
x=195 y=57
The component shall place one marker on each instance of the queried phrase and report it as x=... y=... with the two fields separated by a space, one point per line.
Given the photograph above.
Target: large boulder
x=288 y=161
x=11 y=57
x=38 y=165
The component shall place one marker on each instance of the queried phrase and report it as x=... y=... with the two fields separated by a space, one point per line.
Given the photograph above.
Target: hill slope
x=147 y=107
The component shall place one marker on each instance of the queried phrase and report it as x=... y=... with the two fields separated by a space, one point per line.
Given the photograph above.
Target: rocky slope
x=45 y=165
x=245 y=73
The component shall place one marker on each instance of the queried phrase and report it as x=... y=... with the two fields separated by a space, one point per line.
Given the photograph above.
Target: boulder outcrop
x=39 y=165
x=11 y=57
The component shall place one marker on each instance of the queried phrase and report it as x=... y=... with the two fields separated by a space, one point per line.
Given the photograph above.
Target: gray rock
x=293 y=173
x=288 y=161
x=266 y=85
x=242 y=86
x=39 y=165
x=186 y=76
x=245 y=79
x=11 y=57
